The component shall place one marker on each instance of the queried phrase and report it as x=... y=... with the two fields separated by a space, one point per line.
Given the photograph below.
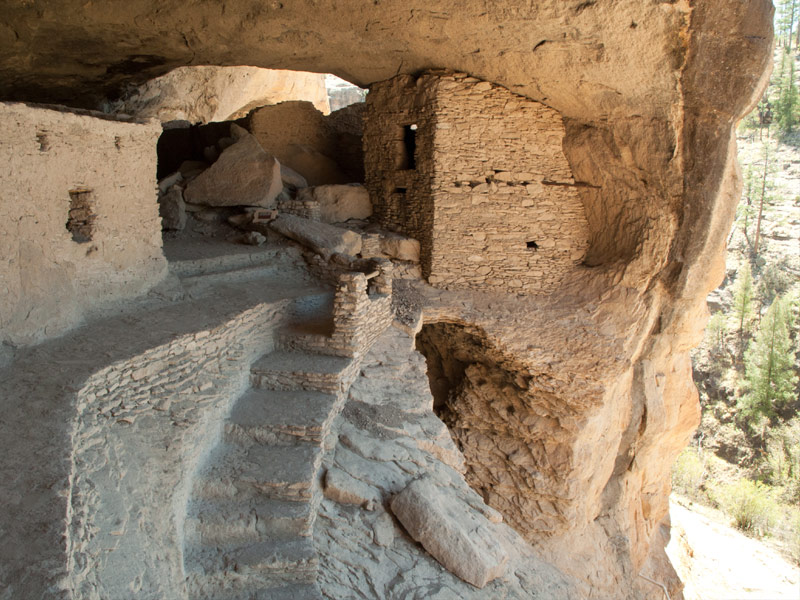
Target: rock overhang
x=589 y=60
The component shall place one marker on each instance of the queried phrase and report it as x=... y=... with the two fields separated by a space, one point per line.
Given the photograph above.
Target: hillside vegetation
x=745 y=457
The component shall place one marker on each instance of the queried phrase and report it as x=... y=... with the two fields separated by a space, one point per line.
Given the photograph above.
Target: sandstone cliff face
x=595 y=377
x=205 y=94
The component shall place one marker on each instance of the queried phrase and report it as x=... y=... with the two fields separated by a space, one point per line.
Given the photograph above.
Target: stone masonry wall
x=507 y=214
x=492 y=199
x=143 y=425
x=401 y=197
x=362 y=310
x=96 y=174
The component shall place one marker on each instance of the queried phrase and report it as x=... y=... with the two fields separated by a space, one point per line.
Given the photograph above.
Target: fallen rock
x=241 y=220
x=172 y=209
x=190 y=169
x=292 y=178
x=237 y=133
x=315 y=167
x=383 y=530
x=460 y=538
x=400 y=247
x=324 y=239
x=338 y=203
x=211 y=153
x=346 y=489
x=242 y=175
x=168 y=181
x=253 y=238
x=298 y=135
x=226 y=142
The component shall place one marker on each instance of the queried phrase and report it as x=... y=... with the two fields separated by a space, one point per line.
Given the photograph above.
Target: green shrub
x=688 y=474
x=794 y=537
x=751 y=506
x=782 y=460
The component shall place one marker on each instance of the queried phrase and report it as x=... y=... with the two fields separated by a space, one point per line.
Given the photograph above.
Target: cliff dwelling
x=430 y=344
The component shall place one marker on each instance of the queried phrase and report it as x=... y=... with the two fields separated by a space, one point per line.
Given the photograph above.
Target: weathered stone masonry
x=162 y=407
x=488 y=193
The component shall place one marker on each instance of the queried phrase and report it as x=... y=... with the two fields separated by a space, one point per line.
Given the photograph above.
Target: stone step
x=277 y=472
x=224 y=522
x=250 y=570
x=194 y=283
x=228 y=588
x=281 y=416
x=294 y=370
x=229 y=261
x=270 y=561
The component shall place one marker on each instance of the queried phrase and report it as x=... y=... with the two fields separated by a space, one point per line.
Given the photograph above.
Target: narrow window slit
x=80 y=222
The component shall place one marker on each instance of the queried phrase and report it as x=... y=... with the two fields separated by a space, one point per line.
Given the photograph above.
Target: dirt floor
x=717 y=562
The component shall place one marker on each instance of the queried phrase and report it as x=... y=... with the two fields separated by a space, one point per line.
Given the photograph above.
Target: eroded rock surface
x=206 y=94
x=389 y=438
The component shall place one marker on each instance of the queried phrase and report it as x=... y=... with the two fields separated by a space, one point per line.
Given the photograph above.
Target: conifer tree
x=743 y=300
x=788 y=101
x=770 y=379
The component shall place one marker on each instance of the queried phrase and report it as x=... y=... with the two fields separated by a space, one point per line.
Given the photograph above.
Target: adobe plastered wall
x=491 y=196
x=47 y=279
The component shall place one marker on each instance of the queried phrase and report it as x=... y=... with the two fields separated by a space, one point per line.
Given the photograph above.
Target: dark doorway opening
x=410 y=144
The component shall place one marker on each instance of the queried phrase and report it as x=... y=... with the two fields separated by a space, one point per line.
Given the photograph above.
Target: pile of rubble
x=247 y=196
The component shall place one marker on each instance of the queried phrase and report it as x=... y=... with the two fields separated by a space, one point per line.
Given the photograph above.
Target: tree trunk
x=761 y=201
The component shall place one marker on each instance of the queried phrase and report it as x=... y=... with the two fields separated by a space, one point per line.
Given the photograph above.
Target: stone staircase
x=252 y=509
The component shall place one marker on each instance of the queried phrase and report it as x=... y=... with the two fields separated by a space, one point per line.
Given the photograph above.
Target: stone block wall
x=79 y=223
x=491 y=199
x=401 y=196
x=362 y=310
x=308 y=209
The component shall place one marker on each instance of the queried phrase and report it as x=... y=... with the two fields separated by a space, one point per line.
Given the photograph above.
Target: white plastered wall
x=48 y=282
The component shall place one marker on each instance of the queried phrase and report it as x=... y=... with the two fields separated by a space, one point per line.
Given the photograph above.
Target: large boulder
x=302 y=138
x=400 y=247
x=292 y=178
x=322 y=238
x=244 y=175
x=338 y=203
x=460 y=538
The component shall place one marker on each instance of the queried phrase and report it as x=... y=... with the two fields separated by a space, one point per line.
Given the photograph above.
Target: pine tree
x=786 y=22
x=770 y=379
x=788 y=101
x=743 y=301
